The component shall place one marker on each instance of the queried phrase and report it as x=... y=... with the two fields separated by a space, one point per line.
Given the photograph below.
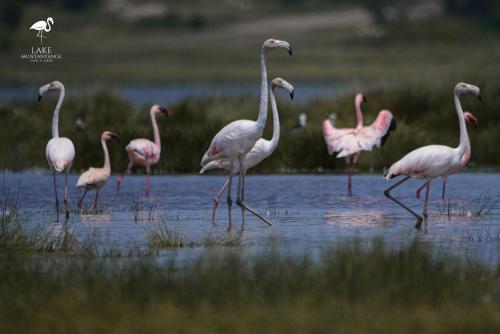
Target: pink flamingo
x=432 y=161
x=349 y=143
x=144 y=152
x=262 y=149
x=236 y=139
x=470 y=118
x=60 y=151
x=96 y=178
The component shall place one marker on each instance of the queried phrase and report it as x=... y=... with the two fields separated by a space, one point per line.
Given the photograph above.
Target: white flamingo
x=143 y=152
x=432 y=161
x=96 y=178
x=42 y=26
x=349 y=142
x=60 y=151
x=262 y=149
x=470 y=118
x=236 y=139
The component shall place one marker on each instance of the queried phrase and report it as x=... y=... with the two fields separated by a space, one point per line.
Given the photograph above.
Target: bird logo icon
x=42 y=26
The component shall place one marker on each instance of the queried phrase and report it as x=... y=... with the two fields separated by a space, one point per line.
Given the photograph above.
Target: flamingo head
x=157 y=109
x=463 y=88
x=359 y=99
x=54 y=85
x=332 y=118
x=107 y=135
x=278 y=82
x=276 y=43
x=50 y=20
x=469 y=117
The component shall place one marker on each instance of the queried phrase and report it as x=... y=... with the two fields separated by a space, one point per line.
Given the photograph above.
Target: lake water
x=144 y=94
x=308 y=212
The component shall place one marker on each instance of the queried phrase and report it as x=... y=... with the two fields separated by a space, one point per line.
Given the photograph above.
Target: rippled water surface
x=308 y=212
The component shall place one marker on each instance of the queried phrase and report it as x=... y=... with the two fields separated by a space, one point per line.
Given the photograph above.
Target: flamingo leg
x=229 y=200
x=120 y=178
x=80 y=202
x=426 y=214
x=444 y=188
x=66 y=194
x=55 y=193
x=420 y=189
x=349 y=179
x=388 y=195
x=217 y=199
x=148 y=171
x=94 y=206
x=242 y=204
x=243 y=213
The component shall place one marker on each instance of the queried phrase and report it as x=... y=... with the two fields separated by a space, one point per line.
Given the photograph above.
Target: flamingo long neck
x=48 y=27
x=359 y=115
x=261 y=121
x=156 y=131
x=276 y=122
x=107 y=163
x=464 y=138
x=55 y=117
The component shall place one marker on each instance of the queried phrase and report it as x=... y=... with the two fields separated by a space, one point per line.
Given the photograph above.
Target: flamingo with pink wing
x=349 y=142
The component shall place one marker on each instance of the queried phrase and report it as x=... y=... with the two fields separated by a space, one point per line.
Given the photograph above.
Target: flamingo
x=432 y=161
x=470 y=118
x=96 y=178
x=42 y=26
x=144 y=152
x=236 y=139
x=60 y=151
x=261 y=150
x=349 y=142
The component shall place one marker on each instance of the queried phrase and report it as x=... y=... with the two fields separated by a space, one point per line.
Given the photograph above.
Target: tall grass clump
x=349 y=289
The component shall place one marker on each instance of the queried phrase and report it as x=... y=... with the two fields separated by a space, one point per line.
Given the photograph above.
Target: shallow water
x=308 y=212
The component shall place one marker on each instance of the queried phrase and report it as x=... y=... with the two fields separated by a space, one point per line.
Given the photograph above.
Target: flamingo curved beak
x=479 y=97
x=290 y=50
x=365 y=99
x=39 y=97
x=292 y=94
x=165 y=111
x=115 y=136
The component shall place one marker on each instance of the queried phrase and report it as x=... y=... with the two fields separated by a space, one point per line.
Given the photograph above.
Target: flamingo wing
x=92 y=178
x=236 y=138
x=144 y=147
x=378 y=132
x=336 y=139
x=40 y=25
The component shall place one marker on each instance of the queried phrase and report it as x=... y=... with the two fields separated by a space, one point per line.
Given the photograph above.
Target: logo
x=45 y=53
x=42 y=26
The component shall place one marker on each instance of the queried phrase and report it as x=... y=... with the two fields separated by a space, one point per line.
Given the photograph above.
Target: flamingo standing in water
x=432 y=161
x=349 y=143
x=96 y=178
x=60 y=151
x=470 y=118
x=262 y=149
x=236 y=139
x=42 y=26
x=144 y=152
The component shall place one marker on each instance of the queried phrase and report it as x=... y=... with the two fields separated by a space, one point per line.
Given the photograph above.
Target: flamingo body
x=60 y=153
x=143 y=152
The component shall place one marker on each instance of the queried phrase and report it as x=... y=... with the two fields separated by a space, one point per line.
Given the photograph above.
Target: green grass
x=350 y=289
x=425 y=115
